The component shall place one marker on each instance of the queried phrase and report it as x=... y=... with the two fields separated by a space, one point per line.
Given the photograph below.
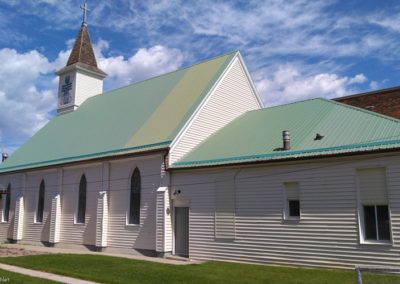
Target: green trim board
x=145 y=113
x=257 y=135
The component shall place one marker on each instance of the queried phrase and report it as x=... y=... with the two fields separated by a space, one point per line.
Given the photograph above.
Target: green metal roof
x=140 y=117
x=257 y=135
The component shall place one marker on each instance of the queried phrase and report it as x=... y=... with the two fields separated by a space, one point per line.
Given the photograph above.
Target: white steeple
x=80 y=78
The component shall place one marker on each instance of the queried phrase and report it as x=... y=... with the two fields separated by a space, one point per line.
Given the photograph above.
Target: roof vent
x=318 y=137
x=4 y=156
x=286 y=139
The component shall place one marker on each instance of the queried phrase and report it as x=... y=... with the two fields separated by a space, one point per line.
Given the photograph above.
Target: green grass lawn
x=108 y=269
x=11 y=277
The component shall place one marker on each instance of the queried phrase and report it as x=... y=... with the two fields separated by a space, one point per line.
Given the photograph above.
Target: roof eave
x=286 y=159
x=93 y=160
x=82 y=67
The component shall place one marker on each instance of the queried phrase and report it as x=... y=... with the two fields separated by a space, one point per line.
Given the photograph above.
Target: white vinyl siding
x=232 y=97
x=372 y=184
x=164 y=225
x=327 y=235
x=225 y=209
x=70 y=232
x=17 y=182
x=121 y=235
x=33 y=231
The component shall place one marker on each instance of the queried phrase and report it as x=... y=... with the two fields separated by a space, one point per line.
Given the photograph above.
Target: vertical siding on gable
x=326 y=235
x=233 y=97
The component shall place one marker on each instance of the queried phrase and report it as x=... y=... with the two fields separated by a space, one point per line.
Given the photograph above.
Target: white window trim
x=360 y=211
x=286 y=216
x=361 y=225
x=3 y=204
x=3 y=208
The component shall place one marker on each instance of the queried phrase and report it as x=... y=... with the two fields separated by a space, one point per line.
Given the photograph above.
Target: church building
x=189 y=163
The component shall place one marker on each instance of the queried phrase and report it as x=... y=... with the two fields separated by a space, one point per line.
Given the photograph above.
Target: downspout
x=166 y=159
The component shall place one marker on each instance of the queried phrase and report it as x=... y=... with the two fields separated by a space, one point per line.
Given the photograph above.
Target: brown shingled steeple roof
x=82 y=53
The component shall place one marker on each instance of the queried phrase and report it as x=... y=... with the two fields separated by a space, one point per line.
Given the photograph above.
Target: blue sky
x=294 y=50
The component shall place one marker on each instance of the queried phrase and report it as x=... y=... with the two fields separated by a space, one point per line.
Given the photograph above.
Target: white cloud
x=289 y=83
x=358 y=79
x=23 y=108
x=373 y=85
x=28 y=85
x=144 y=64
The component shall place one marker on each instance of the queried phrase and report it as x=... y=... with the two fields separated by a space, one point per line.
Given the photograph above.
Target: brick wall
x=385 y=101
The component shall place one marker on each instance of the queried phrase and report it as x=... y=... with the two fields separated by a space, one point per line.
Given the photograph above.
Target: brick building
x=385 y=101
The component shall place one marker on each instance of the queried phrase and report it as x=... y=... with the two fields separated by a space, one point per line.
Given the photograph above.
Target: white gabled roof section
x=232 y=95
x=253 y=87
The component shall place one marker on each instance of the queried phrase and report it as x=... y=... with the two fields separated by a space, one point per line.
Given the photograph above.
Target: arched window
x=134 y=204
x=6 y=212
x=80 y=218
x=40 y=204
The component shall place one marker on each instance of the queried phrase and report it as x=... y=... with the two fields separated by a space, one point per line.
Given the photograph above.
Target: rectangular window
x=373 y=206
x=225 y=209
x=292 y=201
x=376 y=223
x=6 y=204
x=294 y=208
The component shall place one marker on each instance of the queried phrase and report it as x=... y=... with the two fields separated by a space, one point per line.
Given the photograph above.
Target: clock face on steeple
x=66 y=90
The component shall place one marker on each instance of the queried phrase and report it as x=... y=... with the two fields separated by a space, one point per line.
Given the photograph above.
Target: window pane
x=82 y=201
x=294 y=208
x=39 y=212
x=369 y=223
x=134 y=205
x=7 y=205
x=383 y=222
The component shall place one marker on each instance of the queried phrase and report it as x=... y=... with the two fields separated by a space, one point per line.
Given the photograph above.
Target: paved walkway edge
x=46 y=275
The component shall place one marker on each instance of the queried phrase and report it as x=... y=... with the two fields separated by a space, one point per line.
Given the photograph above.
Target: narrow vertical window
x=292 y=202
x=40 y=204
x=225 y=210
x=6 y=212
x=80 y=218
x=374 y=209
x=134 y=204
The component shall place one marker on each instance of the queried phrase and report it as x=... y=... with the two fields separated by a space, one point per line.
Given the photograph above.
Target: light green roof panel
x=257 y=135
x=140 y=117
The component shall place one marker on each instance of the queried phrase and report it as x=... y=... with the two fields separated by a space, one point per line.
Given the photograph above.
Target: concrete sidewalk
x=45 y=275
x=39 y=248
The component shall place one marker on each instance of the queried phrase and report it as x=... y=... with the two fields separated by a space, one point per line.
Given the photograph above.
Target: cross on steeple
x=85 y=10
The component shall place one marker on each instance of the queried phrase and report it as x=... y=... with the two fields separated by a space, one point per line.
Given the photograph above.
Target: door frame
x=180 y=203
